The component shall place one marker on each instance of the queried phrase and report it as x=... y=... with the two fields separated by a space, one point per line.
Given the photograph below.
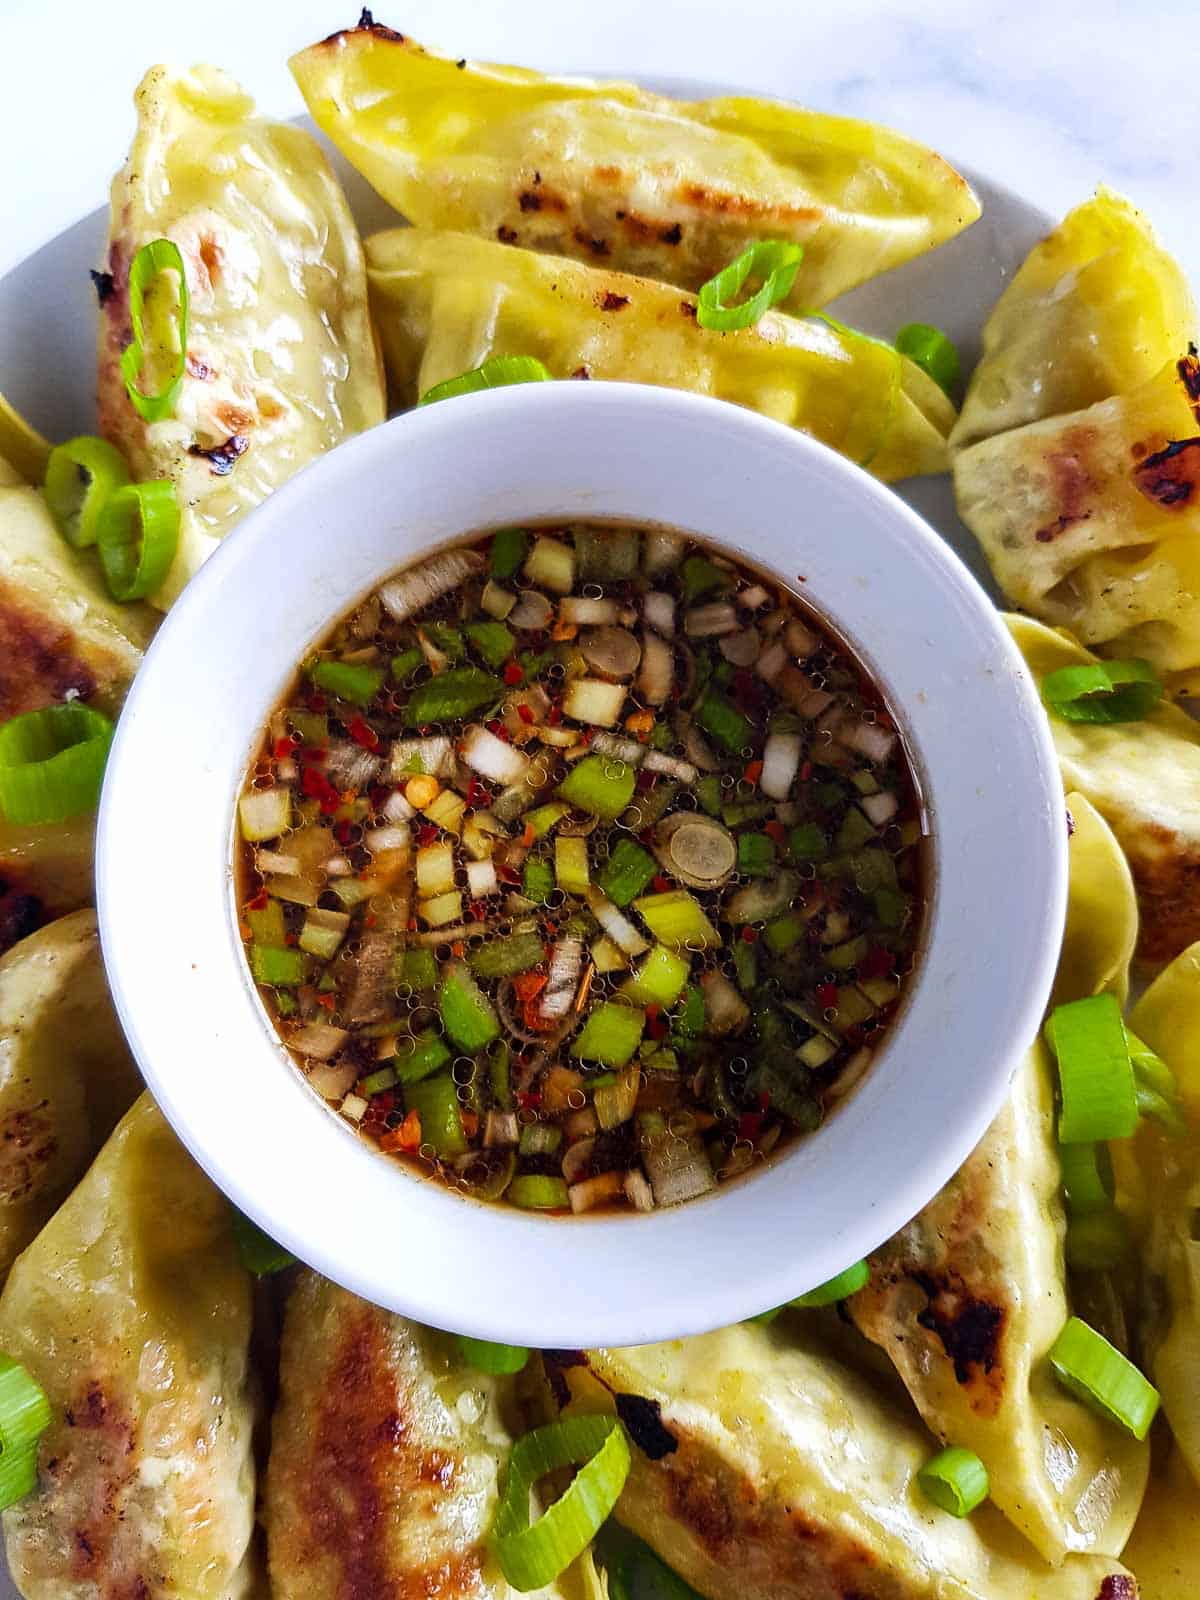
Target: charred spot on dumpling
x=28 y=1144
x=222 y=457
x=102 y=282
x=608 y=301
x=592 y=244
x=969 y=1328
x=644 y=1424
x=1167 y=874
x=506 y=235
x=1118 y=1586
x=1188 y=368
x=1170 y=477
x=39 y=662
x=673 y=234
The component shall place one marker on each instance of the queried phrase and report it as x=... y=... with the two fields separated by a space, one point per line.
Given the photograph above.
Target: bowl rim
x=603 y=1298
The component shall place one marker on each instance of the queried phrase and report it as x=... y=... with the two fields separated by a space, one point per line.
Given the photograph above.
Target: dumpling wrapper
x=1158 y=1183
x=765 y=1469
x=1164 y=1549
x=61 y=635
x=66 y=1075
x=386 y=1453
x=609 y=173
x=1096 y=309
x=282 y=363
x=1091 y=520
x=132 y=1312
x=1144 y=779
x=968 y=1298
x=445 y=302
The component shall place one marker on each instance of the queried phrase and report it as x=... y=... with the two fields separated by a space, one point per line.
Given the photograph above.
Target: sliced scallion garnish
x=257 y=1251
x=81 y=477
x=497 y=373
x=138 y=533
x=25 y=1414
x=348 y=680
x=52 y=763
x=1157 y=1092
x=151 y=261
x=498 y=1360
x=1099 y=1375
x=930 y=349
x=1103 y=691
x=533 y=1555
x=838 y=1288
x=1099 y=1097
x=775 y=261
x=956 y=1480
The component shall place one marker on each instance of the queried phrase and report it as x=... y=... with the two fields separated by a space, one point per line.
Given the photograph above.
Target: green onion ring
x=1103 y=691
x=257 y=1251
x=532 y=1556
x=956 y=1480
x=1095 y=1372
x=497 y=373
x=52 y=763
x=1087 y=1178
x=1099 y=1095
x=160 y=255
x=846 y=1283
x=935 y=354
x=498 y=1360
x=138 y=535
x=775 y=261
x=81 y=477
x=25 y=1415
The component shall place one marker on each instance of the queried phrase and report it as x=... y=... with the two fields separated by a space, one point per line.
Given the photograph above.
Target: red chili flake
x=513 y=672
x=327 y=1002
x=427 y=833
x=316 y=702
x=554 y=716
x=529 y=1099
x=315 y=784
x=509 y=874
x=343 y=832
x=805 y=771
x=646 y=836
x=259 y=902
x=472 y=791
x=827 y=995
x=478 y=910
x=750 y=1126
x=660 y=884
x=311 y=756
x=361 y=731
x=876 y=962
x=645 y=782
x=658 y=1028
x=653 y=1010
x=379 y=794
x=370 y=920
x=774 y=830
x=526 y=714
x=764 y=1101
x=753 y=772
x=749 y=934
x=412 y=924
x=283 y=747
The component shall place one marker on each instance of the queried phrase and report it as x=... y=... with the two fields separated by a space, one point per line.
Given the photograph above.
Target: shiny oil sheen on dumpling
x=386 y=1453
x=609 y=173
x=66 y=1074
x=131 y=1311
x=281 y=359
x=764 y=1469
x=444 y=302
x=968 y=1297
x=1091 y=520
x=1144 y=779
x=61 y=637
x=1096 y=309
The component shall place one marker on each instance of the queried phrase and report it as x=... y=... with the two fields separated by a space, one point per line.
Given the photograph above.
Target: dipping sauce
x=582 y=867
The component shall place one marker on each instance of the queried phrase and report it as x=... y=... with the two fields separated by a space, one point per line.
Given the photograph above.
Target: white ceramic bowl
x=227 y=652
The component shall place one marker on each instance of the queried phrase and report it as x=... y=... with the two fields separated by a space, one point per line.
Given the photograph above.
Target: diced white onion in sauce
x=396 y=808
x=657 y=675
x=566 y=959
x=869 y=739
x=481 y=879
x=435 y=756
x=500 y=1128
x=771 y=662
x=318 y=1040
x=661 y=551
x=302 y=891
x=593 y=1192
x=532 y=611
x=274 y=861
x=741 y=649
x=583 y=611
x=637 y=1191
x=617 y=926
x=800 y=639
x=419 y=587
x=612 y=744
x=656 y=761
x=595 y=701
x=491 y=757
x=265 y=813
x=497 y=601
x=781 y=762
x=724 y=1008
x=881 y=807
x=349 y=766
x=395 y=837
x=752 y=597
x=332 y=1082
x=711 y=621
x=339 y=867
x=658 y=608
x=354 y=1107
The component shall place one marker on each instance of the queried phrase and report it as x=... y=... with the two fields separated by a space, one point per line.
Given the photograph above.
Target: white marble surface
x=1050 y=96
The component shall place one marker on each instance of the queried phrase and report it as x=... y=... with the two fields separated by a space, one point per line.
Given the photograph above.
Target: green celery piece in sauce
x=457 y=693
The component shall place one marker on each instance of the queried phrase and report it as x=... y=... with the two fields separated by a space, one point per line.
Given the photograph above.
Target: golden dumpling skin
x=1144 y=780
x=66 y=1074
x=386 y=1453
x=1095 y=309
x=446 y=302
x=766 y=1469
x=281 y=360
x=1164 y=1551
x=132 y=1312
x=614 y=175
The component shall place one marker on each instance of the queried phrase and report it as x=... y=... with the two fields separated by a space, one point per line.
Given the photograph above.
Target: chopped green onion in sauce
x=1103 y=691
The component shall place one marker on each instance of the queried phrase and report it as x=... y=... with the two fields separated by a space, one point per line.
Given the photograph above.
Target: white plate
x=48 y=321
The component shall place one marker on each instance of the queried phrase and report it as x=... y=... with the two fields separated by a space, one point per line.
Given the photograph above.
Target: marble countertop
x=1049 y=96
